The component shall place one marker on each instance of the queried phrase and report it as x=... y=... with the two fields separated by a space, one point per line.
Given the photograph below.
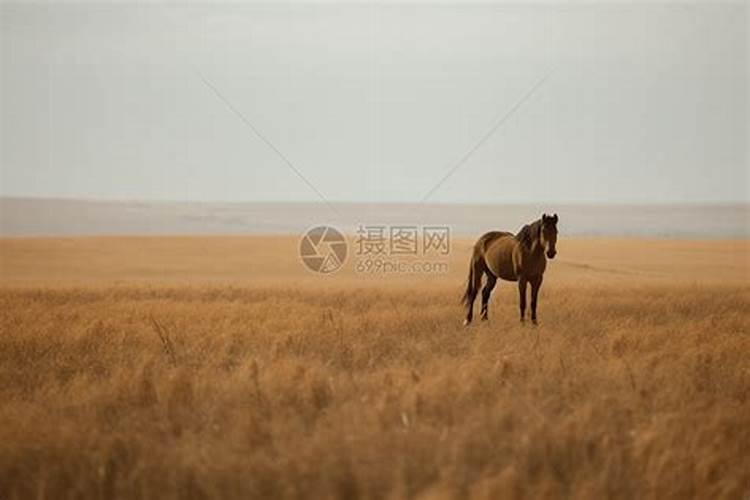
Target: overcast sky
x=376 y=102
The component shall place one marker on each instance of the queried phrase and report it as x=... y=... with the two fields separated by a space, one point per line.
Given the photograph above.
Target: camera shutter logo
x=323 y=249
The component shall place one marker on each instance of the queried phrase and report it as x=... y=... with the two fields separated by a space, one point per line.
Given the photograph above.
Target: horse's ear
x=555 y=218
x=544 y=217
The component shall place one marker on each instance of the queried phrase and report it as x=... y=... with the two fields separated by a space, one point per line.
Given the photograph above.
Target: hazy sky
x=376 y=102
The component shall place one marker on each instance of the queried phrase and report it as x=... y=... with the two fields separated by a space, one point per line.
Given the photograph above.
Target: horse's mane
x=529 y=233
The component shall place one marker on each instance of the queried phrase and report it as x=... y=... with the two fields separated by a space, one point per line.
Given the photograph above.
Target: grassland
x=218 y=367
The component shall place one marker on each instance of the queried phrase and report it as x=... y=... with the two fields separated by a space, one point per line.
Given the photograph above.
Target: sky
x=626 y=102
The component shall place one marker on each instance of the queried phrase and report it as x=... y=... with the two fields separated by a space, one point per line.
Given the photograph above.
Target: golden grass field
x=217 y=367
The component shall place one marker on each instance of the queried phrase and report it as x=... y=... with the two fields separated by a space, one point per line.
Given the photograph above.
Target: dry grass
x=636 y=383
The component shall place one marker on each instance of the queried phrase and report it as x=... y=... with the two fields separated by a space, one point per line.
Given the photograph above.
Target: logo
x=323 y=249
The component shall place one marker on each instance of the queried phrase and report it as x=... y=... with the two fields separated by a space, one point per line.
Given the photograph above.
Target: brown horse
x=518 y=258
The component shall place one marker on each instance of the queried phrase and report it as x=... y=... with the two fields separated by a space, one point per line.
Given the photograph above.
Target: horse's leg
x=522 y=296
x=536 y=284
x=476 y=282
x=486 y=291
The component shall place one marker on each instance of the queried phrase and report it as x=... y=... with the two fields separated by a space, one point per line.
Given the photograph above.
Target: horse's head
x=548 y=234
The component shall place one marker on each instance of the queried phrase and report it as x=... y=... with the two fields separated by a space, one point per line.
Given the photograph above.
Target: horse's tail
x=470 y=291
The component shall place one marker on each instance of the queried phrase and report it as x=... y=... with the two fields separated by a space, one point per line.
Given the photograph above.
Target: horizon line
x=617 y=203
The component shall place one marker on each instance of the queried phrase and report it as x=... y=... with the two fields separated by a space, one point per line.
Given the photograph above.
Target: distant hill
x=60 y=217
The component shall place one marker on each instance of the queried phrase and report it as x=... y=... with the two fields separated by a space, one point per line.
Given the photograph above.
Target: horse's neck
x=536 y=250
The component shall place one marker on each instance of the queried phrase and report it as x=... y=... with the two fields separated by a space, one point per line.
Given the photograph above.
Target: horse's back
x=488 y=238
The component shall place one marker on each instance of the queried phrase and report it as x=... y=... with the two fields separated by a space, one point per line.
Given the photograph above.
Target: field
x=210 y=367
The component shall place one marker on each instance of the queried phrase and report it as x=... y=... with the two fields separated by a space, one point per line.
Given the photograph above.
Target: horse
x=521 y=257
